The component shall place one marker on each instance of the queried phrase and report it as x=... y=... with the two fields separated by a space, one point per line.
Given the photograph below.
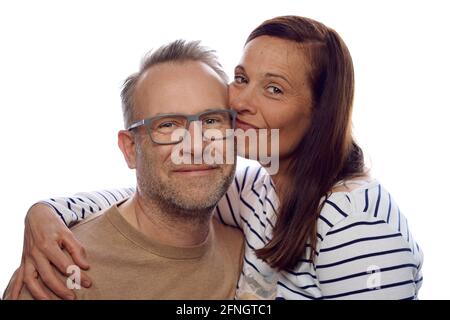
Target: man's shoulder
x=96 y=226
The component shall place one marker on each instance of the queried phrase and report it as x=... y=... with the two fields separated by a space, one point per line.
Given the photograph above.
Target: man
x=162 y=242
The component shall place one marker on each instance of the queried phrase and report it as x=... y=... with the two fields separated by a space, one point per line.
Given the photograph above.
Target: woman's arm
x=364 y=258
x=229 y=209
x=47 y=235
x=80 y=206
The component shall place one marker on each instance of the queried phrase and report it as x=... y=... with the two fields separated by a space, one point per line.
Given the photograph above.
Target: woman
x=330 y=231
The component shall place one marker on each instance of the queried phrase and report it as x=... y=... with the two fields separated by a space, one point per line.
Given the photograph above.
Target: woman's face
x=271 y=90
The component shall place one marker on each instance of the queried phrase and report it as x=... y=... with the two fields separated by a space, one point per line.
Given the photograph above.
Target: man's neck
x=149 y=218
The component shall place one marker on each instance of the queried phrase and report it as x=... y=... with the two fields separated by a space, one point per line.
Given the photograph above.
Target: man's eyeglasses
x=162 y=128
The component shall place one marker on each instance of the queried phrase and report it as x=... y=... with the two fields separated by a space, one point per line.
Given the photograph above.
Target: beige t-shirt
x=125 y=264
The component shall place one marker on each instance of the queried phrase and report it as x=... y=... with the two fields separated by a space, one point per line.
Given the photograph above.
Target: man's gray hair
x=176 y=51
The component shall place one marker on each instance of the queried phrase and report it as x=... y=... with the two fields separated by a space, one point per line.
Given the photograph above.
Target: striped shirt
x=364 y=248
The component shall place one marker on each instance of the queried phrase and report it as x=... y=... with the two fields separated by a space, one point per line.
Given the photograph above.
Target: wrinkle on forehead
x=275 y=55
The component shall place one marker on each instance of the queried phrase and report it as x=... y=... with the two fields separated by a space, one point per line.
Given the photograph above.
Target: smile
x=244 y=125
x=194 y=170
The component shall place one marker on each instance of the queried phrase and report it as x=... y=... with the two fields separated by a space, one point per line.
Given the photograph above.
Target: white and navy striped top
x=364 y=246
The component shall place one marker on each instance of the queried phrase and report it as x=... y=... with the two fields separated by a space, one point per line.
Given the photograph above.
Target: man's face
x=185 y=88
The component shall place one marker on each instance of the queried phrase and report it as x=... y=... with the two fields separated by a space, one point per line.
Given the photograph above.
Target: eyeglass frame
x=190 y=118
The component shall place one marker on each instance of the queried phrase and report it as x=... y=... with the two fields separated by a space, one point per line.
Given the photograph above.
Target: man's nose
x=196 y=145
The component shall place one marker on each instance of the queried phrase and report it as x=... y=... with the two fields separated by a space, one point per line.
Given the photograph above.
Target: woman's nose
x=242 y=100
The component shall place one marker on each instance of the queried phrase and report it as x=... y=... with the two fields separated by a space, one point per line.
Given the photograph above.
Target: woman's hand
x=45 y=238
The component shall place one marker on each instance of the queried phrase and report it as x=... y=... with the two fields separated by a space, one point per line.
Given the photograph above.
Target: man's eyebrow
x=188 y=114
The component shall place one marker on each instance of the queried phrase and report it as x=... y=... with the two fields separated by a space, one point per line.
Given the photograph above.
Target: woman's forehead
x=274 y=55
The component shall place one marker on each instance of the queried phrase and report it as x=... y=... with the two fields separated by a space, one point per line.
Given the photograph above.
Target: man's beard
x=190 y=198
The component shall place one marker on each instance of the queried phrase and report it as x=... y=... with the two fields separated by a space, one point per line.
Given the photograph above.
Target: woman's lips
x=244 y=125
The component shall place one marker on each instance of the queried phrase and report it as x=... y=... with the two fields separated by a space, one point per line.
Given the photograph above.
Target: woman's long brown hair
x=327 y=152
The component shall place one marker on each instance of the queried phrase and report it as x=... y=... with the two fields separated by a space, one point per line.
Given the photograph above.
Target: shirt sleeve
x=242 y=202
x=83 y=204
x=365 y=258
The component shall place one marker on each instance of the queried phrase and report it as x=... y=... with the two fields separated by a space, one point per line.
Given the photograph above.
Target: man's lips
x=195 y=168
x=244 y=125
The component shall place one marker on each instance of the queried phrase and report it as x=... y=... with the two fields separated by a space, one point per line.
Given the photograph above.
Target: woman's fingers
x=76 y=250
x=79 y=256
x=64 y=264
x=49 y=277
x=45 y=238
x=15 y=285
x=30 y=279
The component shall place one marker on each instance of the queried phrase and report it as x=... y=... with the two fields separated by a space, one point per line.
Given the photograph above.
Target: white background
x=62 y=64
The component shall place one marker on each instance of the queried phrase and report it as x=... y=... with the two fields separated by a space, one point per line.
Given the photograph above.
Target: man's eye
x=274 y=90
x=211 y=121
x=166 y=125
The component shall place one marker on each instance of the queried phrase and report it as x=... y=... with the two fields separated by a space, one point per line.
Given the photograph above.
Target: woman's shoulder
x=365 y=199
x=356 y=196
x=368 y=209
x=356 y=199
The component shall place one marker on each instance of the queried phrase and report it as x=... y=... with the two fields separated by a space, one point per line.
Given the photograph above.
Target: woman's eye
x=274 y=90
x=239 y=79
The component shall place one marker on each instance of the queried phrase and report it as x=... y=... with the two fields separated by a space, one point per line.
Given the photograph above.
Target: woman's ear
x=128 y=147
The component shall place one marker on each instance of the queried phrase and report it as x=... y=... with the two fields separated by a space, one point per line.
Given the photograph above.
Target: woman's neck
x=282 y=178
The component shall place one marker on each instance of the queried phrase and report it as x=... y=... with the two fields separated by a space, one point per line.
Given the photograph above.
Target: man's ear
x=128 y=147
